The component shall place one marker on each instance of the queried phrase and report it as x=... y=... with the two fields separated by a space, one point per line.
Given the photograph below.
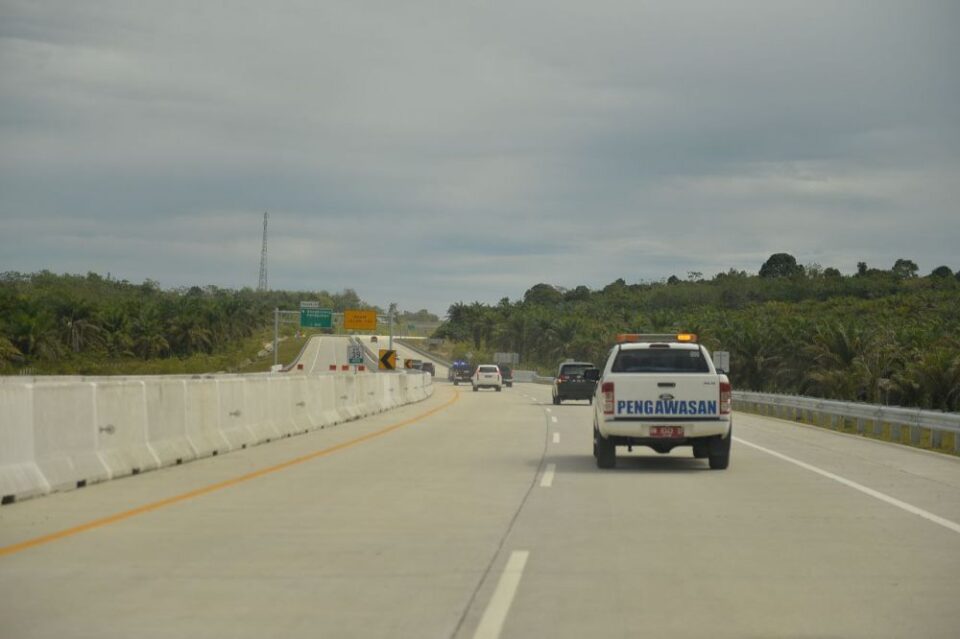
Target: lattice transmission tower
x=262 y=284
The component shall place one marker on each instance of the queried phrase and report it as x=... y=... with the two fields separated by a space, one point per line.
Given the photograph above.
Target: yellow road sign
x=360 y=320
x=388 y=360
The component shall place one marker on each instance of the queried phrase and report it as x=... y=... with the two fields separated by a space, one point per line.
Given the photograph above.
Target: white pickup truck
x=661 y=391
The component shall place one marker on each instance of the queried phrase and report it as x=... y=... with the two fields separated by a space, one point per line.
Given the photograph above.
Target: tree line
x=50 y=320
x=878 y=335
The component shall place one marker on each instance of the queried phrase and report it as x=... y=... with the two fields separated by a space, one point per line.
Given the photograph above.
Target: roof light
x=626 y=338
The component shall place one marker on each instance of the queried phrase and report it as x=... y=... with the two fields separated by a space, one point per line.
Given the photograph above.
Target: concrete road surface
x=323 y=351
x=483 y=515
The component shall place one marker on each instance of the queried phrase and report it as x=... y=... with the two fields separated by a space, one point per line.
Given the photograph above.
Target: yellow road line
x=169 y=501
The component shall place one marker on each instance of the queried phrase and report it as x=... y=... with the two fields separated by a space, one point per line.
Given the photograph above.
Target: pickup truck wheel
x=498 y=389
x=701 y=450
x=606 y=452
x=456 y=383
x=556 y=400
x=475 y=389
x=720 y=452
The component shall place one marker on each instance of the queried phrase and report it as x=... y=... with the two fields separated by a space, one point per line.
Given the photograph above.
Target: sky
x=433 y=152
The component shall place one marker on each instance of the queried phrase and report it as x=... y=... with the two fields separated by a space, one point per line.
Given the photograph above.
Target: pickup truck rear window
x=660 y=360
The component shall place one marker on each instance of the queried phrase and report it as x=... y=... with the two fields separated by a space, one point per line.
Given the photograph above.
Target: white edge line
x=491 y=624
x=556 y=438
x=893 y=501
x=547 y=480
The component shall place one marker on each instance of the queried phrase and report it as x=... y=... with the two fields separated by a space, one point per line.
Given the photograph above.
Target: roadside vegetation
x=76 y=324
x=889 y=336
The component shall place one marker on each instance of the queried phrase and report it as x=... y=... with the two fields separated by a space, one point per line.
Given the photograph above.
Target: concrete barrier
x=166 y=421
x=202 y=417
x=121 y=428
x=301 y=407
x=69 y=432
x=233 y=413
x=65 y=436
x=19 y=476
x=322 y=389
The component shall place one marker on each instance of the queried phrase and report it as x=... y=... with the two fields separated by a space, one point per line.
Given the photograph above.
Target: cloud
x=429 y=152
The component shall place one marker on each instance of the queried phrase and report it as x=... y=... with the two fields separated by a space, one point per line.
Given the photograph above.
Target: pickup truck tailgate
x=666 y=397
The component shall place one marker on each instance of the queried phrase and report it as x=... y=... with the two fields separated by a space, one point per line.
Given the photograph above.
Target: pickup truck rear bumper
x=575 y=390
x=641 y=429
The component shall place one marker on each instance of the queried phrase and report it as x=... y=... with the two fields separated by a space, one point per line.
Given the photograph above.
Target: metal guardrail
x=834 y=414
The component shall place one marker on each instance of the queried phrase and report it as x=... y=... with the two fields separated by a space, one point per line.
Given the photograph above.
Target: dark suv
x=507 y=373
x=570 y=382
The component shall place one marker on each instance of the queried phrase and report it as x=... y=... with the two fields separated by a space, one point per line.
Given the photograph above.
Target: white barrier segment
x=308 y=390
x=166 y=426
x=366 y=396
x=256 y=403
x=234 y=417
x=323 y=389
x=121 y=428
x=343 y=399
x=302 y=409
x=64 y=436
x=19 y=476
x=201 y=416
x=280 y=402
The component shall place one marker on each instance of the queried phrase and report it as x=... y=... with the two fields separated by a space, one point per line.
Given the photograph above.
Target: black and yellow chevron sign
x=388 y=360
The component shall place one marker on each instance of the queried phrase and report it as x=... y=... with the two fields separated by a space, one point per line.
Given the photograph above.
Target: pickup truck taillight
x=607 y=390
x=725 y=392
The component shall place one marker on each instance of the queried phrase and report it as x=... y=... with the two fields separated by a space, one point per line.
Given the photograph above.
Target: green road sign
x=316 y=318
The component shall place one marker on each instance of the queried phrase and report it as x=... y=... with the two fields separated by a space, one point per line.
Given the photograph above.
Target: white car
x=487 y=376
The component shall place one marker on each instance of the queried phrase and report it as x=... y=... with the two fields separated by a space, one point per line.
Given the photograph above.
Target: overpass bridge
x=461 y=514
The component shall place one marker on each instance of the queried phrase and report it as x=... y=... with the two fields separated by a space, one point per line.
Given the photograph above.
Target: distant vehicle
x=428 y=367
x=487 y=376
x=662 y=391
x=570 y=382
x=507 y=374
x=373 y=338
x=416 y=364
x=460 y=371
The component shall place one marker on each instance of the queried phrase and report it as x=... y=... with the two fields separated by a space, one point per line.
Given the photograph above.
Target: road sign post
x=316 y=317
x=388 y=359
x=360 y=320
x=355 y=353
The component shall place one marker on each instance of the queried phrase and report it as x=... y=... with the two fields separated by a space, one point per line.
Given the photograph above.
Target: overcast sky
x=434 y=152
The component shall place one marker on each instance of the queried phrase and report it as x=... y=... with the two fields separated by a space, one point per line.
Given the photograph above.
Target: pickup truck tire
x=556 y=400
x=606 y=451
x=720 y=452
x=456 y=383
x=498 y=389
x=701 y=450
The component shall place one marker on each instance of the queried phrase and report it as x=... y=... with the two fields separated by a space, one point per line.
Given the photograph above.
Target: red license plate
x=666 y=431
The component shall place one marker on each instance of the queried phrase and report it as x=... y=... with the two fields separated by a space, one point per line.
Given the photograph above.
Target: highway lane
x=403 y=353
x=408 y=534
x=323 y=351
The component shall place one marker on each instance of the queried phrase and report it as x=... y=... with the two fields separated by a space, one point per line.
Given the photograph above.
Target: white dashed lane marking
x=491 y=624
x=547 y=480
x=556 y=438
